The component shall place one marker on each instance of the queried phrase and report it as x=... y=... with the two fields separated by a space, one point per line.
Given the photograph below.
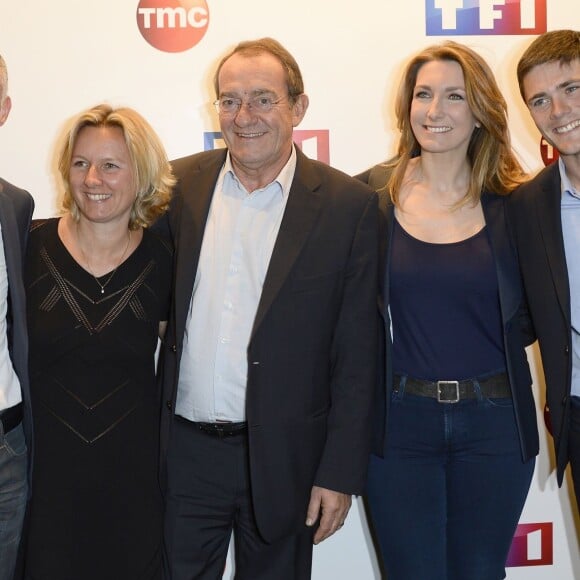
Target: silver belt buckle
x=443 y=394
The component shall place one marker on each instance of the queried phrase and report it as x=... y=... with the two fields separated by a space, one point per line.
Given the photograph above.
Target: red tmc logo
x=173 y=25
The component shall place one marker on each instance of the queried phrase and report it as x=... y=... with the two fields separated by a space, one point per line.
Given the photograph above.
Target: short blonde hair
x=152 y=172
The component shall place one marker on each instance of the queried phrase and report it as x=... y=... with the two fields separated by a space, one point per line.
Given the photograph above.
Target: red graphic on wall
x=533 y=545
x=173 y=25
x=314 y=143
x=548 y=152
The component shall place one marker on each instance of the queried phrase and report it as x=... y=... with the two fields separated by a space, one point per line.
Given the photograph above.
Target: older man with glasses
x=269 y=362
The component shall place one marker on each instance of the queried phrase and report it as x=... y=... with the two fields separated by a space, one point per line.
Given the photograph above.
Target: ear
x=299 y=109
x=4 y=110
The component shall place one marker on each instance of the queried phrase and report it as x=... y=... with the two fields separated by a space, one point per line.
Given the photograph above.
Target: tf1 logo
x=481 y=17
x=313 y=142
x=548 y=152
x=533 y=545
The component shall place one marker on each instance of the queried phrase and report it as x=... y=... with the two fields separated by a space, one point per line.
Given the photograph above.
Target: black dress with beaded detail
x=96 y=510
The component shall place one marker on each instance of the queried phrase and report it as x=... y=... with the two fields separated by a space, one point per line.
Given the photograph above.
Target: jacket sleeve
x=343 y=465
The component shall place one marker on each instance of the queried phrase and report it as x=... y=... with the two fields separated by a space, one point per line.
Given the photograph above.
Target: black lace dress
x=96 y=508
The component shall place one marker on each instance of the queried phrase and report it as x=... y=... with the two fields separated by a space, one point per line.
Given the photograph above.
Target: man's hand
x=332 y=508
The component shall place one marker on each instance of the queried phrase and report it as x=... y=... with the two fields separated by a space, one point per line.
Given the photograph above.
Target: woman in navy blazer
x=455 y=433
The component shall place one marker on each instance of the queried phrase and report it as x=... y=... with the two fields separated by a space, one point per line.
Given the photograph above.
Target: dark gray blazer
x=16 y=207
x=313 y=347
x=517 y=329
x=535 y=212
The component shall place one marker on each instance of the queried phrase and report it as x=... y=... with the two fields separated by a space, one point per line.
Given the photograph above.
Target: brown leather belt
x=11 y=418
x=493 y=387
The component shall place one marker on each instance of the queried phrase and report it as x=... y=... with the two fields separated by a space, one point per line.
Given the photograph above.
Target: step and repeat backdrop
x=158 y=56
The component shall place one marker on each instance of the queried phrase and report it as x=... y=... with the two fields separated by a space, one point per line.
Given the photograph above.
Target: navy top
x=445 y=308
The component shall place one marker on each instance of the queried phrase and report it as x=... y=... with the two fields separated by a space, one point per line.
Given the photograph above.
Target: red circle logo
x=548 y=152
x=173 y=25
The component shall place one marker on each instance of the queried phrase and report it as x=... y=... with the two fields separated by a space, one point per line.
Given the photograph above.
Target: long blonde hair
x=494 y=166
x=3 y=80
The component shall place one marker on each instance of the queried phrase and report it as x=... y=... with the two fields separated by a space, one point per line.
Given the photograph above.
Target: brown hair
x=561 y=46
x=270 y=46
x=494 y=166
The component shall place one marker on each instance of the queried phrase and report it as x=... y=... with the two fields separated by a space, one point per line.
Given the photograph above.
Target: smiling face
x=440 y=116
x=259 y=142
x=552 y=93
x=101 y=175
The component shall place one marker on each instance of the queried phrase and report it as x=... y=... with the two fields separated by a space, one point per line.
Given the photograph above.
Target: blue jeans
x=445 y=501
x=13 y=491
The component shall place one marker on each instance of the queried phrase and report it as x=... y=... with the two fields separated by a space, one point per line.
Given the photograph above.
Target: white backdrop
x=66 y=55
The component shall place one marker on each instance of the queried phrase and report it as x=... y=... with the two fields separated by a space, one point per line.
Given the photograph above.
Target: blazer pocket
x=321 y=414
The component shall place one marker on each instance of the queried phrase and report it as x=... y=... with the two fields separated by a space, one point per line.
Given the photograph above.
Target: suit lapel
x=302 y=209
x=387 y=216
x=506 y=267
x=12 y=248
x=197 y=187
x=549 y=214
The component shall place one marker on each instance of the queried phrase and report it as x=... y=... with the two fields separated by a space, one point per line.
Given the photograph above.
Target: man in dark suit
x=546 y=217
x=16 y=208
x=269 y=364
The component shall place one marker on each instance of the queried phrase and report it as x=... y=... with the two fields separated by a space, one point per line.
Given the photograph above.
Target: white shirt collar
x=283 y=179
x=566 y=184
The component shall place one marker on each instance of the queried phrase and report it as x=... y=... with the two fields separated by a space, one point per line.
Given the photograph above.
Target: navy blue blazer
x=535 y=213
x=517 y=329
x=313 y=347
x=16 y=207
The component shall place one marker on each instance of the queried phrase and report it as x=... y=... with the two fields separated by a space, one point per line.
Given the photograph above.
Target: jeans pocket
x=501 y=402
x=396 y=398
x=14 y=441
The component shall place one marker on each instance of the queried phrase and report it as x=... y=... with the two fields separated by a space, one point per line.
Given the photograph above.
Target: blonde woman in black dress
x=98 y=290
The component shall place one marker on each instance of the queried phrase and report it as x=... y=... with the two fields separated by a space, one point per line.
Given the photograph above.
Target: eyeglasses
x=258 y=104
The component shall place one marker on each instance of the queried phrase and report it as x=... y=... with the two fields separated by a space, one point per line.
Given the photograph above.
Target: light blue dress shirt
x=571 y=232
x=238 y=241
x=10 y=393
